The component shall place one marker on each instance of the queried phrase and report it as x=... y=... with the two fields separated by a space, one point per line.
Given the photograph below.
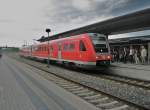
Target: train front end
x=101 y=48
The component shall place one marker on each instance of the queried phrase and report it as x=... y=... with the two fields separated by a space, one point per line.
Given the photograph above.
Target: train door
x=59 y=50
x=82 y=49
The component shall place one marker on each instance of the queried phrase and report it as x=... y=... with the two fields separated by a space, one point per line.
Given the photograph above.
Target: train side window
x=51 y=48
x=35 y=48
x=59 y=46
x=45 y=48
x=65 y=47
x=82 y=46
x=41 y=48
x=72 y=46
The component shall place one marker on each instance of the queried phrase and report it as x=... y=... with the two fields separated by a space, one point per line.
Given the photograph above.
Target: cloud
x=76 y=13
x=27 y=19
x=83 y=5
x=6 y=20
x=71 y=14
x=103 y=5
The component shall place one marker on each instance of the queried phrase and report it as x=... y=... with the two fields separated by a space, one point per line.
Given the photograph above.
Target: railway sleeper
x=67 y=85
x=93 y=96
x=118 y=106
x=85 y=94
x=64 y=83
x=77 y=88
x=123 y=107
x=107 y=104
x=74 y=88
x=98 y=100
x=79 y=92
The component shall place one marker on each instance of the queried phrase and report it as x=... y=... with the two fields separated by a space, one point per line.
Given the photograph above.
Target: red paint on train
x=90 y=49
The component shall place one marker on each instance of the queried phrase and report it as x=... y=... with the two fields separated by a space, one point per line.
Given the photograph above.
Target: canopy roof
x=132 y=22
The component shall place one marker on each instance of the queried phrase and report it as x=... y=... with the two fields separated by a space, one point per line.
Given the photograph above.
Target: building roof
x=136 y=21
x=130 y=39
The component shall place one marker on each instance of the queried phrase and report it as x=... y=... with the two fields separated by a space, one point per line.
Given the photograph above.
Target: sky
x=24 y=20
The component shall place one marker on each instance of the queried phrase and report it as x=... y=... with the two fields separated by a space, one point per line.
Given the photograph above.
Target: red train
x=89 y=50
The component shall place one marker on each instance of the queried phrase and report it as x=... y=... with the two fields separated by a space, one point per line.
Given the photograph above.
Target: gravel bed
x=130 y=93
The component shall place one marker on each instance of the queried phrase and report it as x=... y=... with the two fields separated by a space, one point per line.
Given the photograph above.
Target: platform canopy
x=132 y=22
x=135 y=39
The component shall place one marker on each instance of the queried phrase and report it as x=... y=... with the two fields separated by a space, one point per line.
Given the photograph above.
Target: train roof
x=72 y=37
x=136 y=21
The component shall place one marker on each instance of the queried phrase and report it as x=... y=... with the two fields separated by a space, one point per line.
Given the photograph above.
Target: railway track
x=130 y=81
x=116 y=78
x=89 y=94
x=119 y=79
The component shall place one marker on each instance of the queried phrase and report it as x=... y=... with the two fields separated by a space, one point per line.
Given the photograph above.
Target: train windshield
x=99 y=42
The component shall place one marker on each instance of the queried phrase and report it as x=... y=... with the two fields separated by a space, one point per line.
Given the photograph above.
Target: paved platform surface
x=145 y=67
x=21 y=88
x=141 y=72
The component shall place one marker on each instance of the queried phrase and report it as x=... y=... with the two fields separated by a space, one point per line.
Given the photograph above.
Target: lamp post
x=48 y=31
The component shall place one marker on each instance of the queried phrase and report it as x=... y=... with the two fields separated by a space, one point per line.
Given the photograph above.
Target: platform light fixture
x=48 y=62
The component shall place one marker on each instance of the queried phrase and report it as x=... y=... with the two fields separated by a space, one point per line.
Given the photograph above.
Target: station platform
x=21 y=88
x=136 y=71
x=132 y=66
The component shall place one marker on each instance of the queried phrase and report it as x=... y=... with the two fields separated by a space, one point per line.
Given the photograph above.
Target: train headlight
x=108 y=57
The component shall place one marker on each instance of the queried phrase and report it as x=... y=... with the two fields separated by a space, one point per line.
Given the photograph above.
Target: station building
x=135 y=42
